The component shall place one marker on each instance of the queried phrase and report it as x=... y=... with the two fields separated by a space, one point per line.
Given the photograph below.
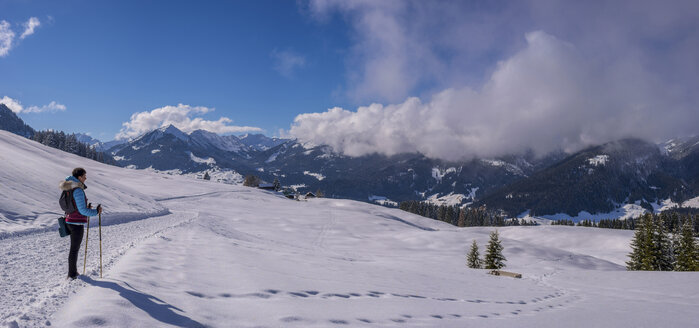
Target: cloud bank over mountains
x=495 y=79
x=182 y=117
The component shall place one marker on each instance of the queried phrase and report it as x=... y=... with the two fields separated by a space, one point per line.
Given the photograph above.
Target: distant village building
x=267 y=186
x=310 y=195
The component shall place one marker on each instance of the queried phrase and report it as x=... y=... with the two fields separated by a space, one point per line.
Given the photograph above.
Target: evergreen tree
x=636 y=255
x=276 y=184
x=641 y=256
x=687 y=250
x=662 y=246
x=473 y=259
x=207 y=176
x=493 y=256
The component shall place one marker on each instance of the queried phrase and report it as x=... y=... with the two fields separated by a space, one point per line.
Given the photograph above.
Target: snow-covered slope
x=30 y=173
x=231 y=256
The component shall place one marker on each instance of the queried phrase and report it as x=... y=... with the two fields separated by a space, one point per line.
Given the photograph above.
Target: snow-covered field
x=207 y=254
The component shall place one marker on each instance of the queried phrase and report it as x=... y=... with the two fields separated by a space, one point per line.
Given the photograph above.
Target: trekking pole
x=100 y=225
x=87 y=235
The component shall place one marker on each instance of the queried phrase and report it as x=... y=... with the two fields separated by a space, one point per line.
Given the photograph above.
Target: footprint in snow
x=291 y=319
x=200 y=295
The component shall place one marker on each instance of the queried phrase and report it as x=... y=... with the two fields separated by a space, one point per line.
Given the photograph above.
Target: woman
x=76 y=221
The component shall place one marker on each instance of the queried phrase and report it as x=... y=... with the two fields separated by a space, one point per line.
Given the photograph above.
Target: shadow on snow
x=155 y=307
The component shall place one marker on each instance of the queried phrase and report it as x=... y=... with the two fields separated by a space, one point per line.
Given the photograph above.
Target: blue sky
x=448 y=78
x=105 y=60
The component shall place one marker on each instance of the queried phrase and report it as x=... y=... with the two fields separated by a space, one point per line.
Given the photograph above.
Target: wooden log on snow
x=506 y=273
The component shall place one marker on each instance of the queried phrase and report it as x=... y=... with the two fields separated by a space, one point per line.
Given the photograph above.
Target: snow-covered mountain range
x=598 y=179
x=627 y=175
x=318 y=167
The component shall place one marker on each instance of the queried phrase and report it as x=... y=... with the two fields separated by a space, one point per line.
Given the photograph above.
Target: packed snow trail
x=34 y=266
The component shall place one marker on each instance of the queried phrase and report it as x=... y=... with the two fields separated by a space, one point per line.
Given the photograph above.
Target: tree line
x=461 y=217
x=654 y=248
x=671 y=221
x=69 y=143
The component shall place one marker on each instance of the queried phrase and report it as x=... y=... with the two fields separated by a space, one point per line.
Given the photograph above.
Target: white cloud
x=6 y=38
x=460 y=80
x=547 y=95
x=52 y=107
x=287 y=62
x=181 y=116
x=12 y=104
x=29 y=27
x=16 y=106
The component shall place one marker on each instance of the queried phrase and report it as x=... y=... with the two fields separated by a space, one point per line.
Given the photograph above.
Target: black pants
x=76 y=238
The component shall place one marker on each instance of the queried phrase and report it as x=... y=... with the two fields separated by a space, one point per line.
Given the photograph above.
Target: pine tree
x=662 y=246
x=642 y=252
x=687 y=250
x=473 y=259
x=493 y=256
x=276 y=184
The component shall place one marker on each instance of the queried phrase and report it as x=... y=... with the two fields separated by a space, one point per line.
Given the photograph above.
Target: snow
x=598 y=160
x=196 y=159
x=296 y=187
x=119 y=158
x=272 y=157
x=494 y=162
x=623 y=212
x=318 y=176
x=227 y=143
x=215 y=174
x=382 y=200
x=693 y=203
x=155 y=151
x=438 y=174
x=472 y=193
x=229 y=256
x=664 y=205
x=172 y=130
x=450 y=199
x=507 y=166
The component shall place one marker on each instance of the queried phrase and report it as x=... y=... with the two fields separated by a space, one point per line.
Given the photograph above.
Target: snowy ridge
x=30 y=178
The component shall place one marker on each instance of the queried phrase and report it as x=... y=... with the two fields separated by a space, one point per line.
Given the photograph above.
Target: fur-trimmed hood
x=71 y=183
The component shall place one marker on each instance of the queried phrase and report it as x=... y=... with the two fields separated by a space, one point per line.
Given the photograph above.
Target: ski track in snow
x=41 y=272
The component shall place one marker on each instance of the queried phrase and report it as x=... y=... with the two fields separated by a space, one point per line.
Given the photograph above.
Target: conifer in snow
x=493 y=256
x=642 y=251
x=662 y=247
x=687 y=250
x=473 y=259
